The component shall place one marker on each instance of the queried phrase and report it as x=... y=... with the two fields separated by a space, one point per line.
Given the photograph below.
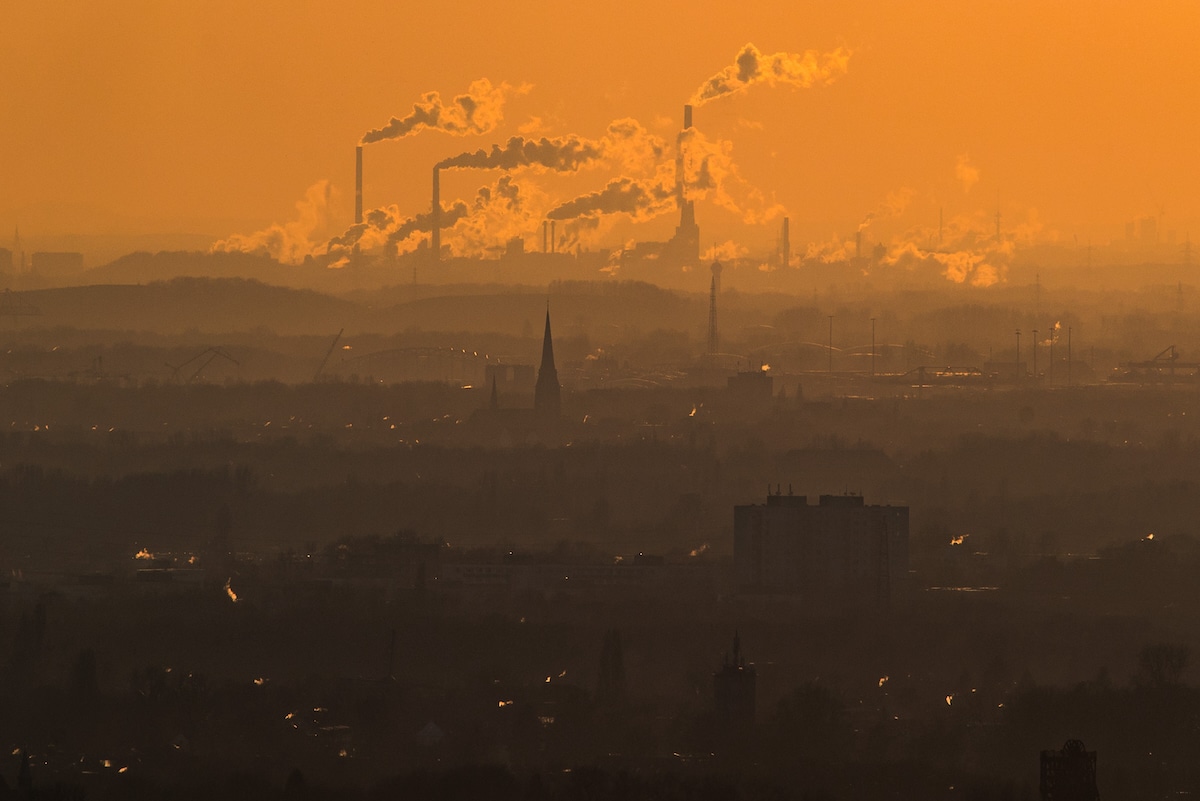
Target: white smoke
x=290 y=242
x=970 y=253
x=966 y=173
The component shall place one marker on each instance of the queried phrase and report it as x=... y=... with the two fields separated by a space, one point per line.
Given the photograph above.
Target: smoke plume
x=654 y=181
x=290 y=242
x=751 y=66
x=560 y=154
x=966 y=172
x=498 y=211
x=709 y=172
x=970 y=254
x=478 y=111
x=893 y=205
x=640 y=201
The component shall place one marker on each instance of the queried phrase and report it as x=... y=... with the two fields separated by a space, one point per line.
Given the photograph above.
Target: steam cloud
x=751 y=66
x=893 y=205
x=968 y=253
x=966 y=172
x=293 y=241
x=972 y=255
x=500 y=210
x=478 y=111
x=653 y=180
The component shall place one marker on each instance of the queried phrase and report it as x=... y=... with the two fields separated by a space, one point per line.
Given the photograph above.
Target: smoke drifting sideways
x=478 y=111
x=293 y=241
x=969 y=253
x=505 y=209
x=751 y=66
x=892 y=206
x=705 y=167
x=652 y=184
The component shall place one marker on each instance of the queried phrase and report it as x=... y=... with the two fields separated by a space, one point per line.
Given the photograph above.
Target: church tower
x=547 y=395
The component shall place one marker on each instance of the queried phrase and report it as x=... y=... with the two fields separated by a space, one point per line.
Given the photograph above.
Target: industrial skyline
x=437 y=471
x=911 y=129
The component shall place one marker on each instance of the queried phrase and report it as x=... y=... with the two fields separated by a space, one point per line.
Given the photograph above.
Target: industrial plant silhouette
x=462 y=497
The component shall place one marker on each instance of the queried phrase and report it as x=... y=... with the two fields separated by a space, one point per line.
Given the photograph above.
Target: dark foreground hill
x=183 y=304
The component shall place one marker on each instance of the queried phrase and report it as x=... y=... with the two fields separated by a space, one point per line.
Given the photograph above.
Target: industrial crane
x=1163 y=366
x=212 y=353
x=328 y=353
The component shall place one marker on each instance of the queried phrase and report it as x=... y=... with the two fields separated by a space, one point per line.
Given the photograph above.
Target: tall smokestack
x=358 y=185
x=553 y=243
x=435 y=228
x=787 y=245
x=545 y=236
x=685 y=245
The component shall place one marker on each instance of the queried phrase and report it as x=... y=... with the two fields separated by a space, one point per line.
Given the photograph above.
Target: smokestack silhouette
x=435 y=231
x=553 y=242
x=713 y=338
x=787 y=246
x=358 y=185
x=685 y=245
x=545 y=236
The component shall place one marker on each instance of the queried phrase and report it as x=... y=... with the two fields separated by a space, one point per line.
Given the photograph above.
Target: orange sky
x=142 y=116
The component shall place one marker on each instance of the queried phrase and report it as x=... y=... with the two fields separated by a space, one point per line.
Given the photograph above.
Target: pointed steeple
x=547 y=395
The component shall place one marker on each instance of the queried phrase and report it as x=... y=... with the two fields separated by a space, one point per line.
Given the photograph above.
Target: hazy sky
x=217 y=116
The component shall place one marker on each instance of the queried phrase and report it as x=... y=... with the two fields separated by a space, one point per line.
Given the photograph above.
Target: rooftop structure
x=836 y=555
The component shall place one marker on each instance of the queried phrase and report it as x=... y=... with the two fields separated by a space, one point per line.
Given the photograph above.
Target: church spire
x=547 y=395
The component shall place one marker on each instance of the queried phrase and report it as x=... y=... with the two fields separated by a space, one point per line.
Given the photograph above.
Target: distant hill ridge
x=202 y=304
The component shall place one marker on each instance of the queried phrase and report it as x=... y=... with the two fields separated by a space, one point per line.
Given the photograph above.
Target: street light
x=872 y=348
x=1017 y=363
x=831 y=344
x=1050 y=377
x=1035 y=344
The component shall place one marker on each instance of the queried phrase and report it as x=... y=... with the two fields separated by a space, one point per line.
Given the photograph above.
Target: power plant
x=681 y=251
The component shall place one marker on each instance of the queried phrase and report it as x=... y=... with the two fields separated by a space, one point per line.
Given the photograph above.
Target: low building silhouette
x=751 y=386
x=735 y=692
x=1069 y=774
x=837 y=555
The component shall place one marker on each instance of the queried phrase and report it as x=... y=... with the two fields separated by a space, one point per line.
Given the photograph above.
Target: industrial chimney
x=358 y=185
x=787 y=245
x=684 y=247
x=435 y=221
x=545 y=236
x=553 y=242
